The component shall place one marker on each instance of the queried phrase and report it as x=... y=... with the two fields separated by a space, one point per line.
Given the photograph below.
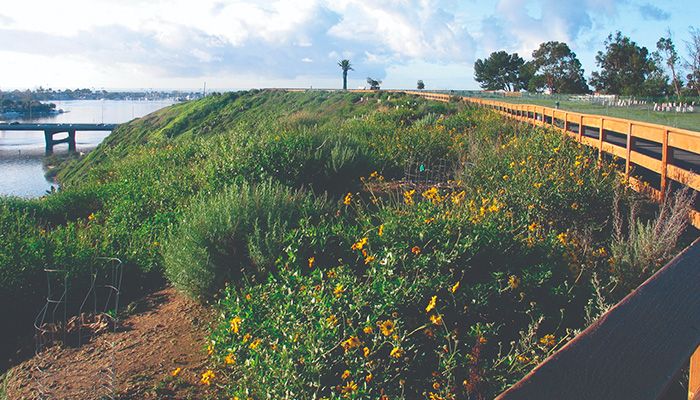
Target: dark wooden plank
x=634 y=350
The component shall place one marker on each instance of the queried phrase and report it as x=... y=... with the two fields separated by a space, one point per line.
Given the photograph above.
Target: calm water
x=21 y=153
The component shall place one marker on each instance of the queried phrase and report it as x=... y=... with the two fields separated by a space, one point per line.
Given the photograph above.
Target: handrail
x=634 y=350
x=659 y=143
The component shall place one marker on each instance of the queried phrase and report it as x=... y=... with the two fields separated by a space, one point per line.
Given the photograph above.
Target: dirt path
x=166 y=332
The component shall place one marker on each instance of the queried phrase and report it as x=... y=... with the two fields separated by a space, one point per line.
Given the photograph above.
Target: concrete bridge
x=51 y=129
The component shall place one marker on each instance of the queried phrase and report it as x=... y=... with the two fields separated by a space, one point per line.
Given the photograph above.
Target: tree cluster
x=625 y=69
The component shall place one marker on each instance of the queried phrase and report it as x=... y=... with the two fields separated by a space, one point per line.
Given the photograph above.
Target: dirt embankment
x=166 y=332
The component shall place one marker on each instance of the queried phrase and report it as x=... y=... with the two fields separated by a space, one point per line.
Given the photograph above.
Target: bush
x=234 y=236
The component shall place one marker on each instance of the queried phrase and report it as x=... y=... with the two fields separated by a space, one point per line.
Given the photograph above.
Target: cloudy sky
x=242 y=44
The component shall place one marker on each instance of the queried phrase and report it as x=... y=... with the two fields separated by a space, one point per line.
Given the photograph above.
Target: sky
x=244 y=44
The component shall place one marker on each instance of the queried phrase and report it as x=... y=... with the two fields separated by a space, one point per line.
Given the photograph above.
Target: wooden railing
x=636 y=349
x=670 y=153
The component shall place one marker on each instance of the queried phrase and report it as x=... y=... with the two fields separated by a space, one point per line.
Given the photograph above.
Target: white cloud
x=282 y=41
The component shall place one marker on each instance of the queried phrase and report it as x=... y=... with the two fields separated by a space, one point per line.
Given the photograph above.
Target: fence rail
x=635 y=349
x=673 y=154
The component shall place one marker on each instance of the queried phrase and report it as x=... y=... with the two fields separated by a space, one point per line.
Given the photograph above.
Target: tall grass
x=234 y=236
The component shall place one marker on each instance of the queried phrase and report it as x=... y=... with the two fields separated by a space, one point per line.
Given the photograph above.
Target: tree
x=374 y=84
x=693 y=64
x=420 y=85
x=346 y=66
x=499 y=72
x=624 y=67
x=667 y=50
x=557 y=69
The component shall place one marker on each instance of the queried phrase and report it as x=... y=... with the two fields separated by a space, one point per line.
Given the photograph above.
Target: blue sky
x=181 y=44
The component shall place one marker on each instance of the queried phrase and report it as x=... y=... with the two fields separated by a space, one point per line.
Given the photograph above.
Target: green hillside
x=338 y=269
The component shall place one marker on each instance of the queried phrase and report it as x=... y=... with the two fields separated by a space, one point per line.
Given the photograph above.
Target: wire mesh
x=427 y=173
x=96 y=315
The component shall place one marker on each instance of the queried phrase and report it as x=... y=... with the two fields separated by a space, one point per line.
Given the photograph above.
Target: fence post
x=601 y=139
x=580 y=128
x=666 y=158
x=630 y=147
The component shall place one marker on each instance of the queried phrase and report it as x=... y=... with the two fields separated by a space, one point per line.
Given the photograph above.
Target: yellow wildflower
x=368 y=329
x=574 y=206
x=365 y=351
x=235 y=324
x=381 y=230
x=230 y=359
x=436 y=319
x=533 y=226
x=455 y=287
x=359 y=245
x=387 y=327
x=349 y=387
x=255 y=344
x=351 y=343
x=369 y=259
x=415 y=250
x=312 y=261
x=345 y=375
x=207 y=377
x=408 y=197
x=549 y=340
x=513 y=281
x=348 y=199
x=396 y=352
x=177 y=371
x=368 y=377
x=431 y=305
x=332 y=320
x=338 y=291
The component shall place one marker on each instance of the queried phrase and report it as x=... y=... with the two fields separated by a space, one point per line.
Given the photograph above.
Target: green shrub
x=234 y=236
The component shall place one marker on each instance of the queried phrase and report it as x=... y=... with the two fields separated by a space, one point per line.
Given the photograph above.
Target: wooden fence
x=636 y=349
x=670 y=153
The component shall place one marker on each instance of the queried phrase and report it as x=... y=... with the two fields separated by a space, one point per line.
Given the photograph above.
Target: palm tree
x=346 y=66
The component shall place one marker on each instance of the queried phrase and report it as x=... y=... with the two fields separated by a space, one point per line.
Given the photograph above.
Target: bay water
x=22 y=152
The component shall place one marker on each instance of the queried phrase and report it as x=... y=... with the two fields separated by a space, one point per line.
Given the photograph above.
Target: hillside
x=354 y=245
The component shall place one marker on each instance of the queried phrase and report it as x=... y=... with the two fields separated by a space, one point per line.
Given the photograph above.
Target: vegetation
x=333 y=275
x=625 y=69
x=374 y=83
x=346 y=66
x=501 y=71
x=26 y=107
x=557 y=70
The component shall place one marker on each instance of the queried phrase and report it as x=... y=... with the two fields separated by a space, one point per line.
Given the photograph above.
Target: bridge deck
x=56 y=127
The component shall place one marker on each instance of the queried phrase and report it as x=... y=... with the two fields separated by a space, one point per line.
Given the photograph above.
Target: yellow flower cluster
x=207 y=378
x=351 y=343
x=359 y=245
x=235 y=324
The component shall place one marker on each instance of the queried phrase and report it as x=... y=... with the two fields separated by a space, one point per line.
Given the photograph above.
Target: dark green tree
x=374 y=83
x=624 y=66
x=420 y=85
x=346 y=66
x=667 y=50
x=500 y=71
x=693 y=63
x=557 y=69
